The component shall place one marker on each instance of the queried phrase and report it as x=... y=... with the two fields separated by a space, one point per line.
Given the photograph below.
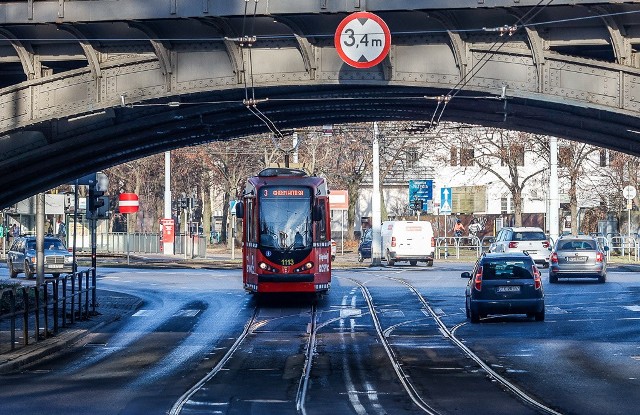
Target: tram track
x=249 y=328
x=449 y=334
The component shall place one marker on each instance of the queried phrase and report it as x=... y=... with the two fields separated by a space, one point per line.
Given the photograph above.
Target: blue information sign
x=445 y=200
x=420 y=190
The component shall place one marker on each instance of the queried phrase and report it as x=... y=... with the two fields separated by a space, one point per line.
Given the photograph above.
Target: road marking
x=350 y=312
x=186 y=313
x=143 y=313
x=555 y=310
x=632 y=307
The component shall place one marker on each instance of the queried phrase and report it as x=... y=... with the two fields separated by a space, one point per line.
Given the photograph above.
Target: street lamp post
x=376 y=241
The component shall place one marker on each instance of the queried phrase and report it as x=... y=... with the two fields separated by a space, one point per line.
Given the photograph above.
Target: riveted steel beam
x=24 y=51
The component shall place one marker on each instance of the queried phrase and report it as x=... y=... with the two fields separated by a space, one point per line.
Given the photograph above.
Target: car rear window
x=578 y=246
x=529 y=236
x=507 y=269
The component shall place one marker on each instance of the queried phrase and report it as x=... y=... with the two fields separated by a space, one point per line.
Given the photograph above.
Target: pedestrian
x=62 y=230
x=458 y=229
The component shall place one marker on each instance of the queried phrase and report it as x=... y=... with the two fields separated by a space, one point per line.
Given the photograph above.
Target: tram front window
x=285 y=222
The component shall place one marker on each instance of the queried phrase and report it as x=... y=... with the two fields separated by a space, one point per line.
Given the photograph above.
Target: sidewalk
x=112 y=306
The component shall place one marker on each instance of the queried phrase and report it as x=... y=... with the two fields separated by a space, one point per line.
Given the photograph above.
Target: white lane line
x=632 y=307
x=143 y=313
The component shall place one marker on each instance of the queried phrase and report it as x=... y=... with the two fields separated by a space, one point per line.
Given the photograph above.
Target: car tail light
x=513 y=244
x=433 y=241
x=599 y=257
x=393 y=241
x=553 y=257
x=478 y=279
x=545 y=244
x=537 y=279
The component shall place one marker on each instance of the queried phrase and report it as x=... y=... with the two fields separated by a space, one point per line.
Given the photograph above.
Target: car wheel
x=475 y=317
x=413 y=263
x=56 y=275
x=12 y=272
x=553 y=279
x=540 y=316
x=466 y=309
x=390 y=261
x=360 y=257
x=602 y=279
x=27 y=271
x=333 y=257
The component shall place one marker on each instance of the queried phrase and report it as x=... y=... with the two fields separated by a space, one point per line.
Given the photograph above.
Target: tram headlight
x=263 y=266
x=305 y=267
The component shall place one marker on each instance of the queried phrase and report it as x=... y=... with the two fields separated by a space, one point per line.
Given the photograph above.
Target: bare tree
x=496 y=152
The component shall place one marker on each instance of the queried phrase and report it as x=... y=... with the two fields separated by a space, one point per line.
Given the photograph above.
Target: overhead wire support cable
x=482 y=62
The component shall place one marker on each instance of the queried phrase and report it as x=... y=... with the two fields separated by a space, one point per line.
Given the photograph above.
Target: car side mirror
x=466 y=275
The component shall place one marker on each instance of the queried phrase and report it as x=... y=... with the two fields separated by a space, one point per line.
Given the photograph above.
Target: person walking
x=458 y=229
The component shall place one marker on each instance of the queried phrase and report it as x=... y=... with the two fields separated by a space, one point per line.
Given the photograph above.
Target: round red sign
x=362 y=40
x=128 y=203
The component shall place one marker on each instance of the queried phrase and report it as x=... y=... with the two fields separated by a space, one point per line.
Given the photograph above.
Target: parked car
x=504 y=283
x=21 y=257
x=530 y=240
x=364 y=247
x=578 y=257
x=411 y=241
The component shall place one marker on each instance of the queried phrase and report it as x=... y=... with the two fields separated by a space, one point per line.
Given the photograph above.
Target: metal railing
x=452 y=245
x=37 y=312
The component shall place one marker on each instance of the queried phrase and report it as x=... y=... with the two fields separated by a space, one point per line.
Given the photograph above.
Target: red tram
x=286 y=235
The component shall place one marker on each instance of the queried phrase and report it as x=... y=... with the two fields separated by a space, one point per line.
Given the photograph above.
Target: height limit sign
x=362 y=40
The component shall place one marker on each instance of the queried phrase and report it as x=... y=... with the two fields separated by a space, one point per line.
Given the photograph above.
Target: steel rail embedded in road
x=493 y=374
x=177 y=407
x=310 y=350
x=395 y=362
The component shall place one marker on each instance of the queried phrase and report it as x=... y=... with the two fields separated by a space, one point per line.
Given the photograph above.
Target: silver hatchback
x=528 y=240
x=578 y=257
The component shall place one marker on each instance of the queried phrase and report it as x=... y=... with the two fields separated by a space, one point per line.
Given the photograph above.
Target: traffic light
x=95 y=199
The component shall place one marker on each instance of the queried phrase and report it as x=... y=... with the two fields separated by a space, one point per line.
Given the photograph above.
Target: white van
x=408 y=241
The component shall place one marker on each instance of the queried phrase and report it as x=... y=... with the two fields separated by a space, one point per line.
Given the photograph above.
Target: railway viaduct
x=85 y=85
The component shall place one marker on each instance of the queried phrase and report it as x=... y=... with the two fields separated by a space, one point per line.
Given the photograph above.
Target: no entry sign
x=362 y=40
x=128 y=203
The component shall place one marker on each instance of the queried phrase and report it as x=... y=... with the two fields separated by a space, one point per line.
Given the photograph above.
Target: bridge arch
x=573 y=72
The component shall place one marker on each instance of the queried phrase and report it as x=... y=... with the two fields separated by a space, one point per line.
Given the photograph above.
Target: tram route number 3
x=362 y=40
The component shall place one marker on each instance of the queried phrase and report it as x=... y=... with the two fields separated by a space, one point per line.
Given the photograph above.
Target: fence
x=37 y=312
x=452 y=245
x=149 y=243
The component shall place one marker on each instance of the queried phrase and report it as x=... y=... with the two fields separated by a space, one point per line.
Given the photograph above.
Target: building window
x=565 y=157
x=517 y=154
x=412 y=157
x=454 y=156
x=505 y=206
x=466 y=157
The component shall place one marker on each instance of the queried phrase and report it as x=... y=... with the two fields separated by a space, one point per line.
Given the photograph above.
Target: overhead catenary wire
x=484 y=59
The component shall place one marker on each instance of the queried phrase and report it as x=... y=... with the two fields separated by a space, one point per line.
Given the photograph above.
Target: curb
x=66 y=337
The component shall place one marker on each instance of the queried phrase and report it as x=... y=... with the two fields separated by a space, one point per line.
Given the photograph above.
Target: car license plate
x=508 y=289
x=576 y=258
x=55 y=266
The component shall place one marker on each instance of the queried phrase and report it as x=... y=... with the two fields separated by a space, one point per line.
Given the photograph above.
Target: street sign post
x=362 y=40
x=339 y=200
x=128 y=203
x=629 y=192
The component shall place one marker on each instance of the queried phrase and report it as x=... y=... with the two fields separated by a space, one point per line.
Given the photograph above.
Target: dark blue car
x=364 y=249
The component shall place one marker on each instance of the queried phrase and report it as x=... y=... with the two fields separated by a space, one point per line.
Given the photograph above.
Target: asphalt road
x=199 y=344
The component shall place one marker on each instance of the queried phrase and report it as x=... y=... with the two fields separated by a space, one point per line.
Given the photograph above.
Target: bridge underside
x=79 y=97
